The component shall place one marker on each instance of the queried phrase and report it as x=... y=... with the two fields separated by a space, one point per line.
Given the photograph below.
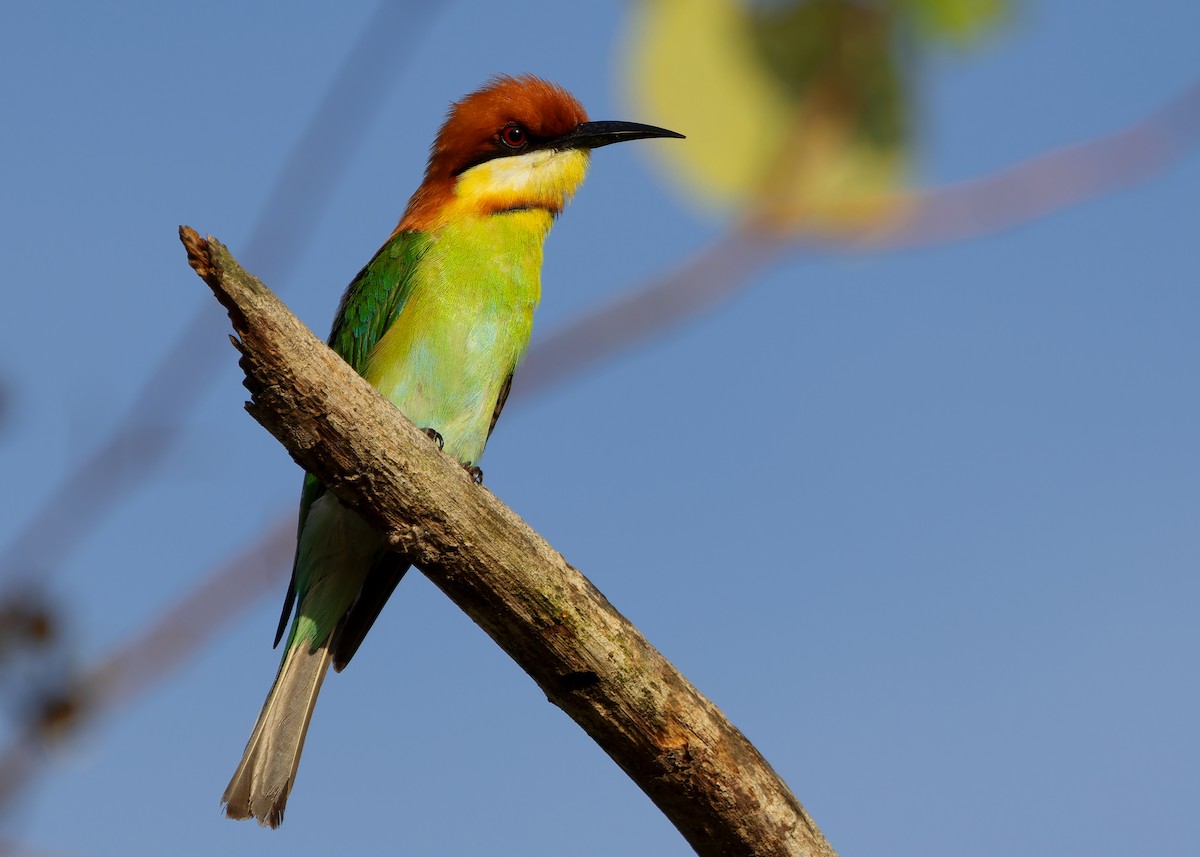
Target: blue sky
x=924 y=524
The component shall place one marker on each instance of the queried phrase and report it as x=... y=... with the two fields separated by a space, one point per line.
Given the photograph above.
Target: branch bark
x=590 y=661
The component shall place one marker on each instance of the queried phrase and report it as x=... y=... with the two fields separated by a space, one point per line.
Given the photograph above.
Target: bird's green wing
x=375 y=297
x=369 y=307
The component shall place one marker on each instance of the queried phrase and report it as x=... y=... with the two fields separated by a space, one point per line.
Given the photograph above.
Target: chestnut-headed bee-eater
x=437 y=321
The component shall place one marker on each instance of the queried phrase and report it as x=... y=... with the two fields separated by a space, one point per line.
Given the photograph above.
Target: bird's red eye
x=513 y=136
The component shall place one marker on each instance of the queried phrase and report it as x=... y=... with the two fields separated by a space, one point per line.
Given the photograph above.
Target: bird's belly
x=448 y=376
x=464 y=327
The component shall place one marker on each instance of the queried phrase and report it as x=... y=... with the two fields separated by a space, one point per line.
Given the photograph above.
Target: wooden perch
x=591 y=662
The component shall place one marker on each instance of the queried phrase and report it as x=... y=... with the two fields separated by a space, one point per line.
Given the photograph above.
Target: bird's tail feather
x=261 y=784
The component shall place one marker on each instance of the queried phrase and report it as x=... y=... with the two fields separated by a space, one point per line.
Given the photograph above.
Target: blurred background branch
x=145 y=658
x=1019 y=194
x=97 y=484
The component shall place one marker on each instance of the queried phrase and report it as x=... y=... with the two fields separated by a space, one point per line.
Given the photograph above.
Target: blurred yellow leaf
x=796 y=111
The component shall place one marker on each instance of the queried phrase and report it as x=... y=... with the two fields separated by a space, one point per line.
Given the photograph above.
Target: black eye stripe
x=500 y=149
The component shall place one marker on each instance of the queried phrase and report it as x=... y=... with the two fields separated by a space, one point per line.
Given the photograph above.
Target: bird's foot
x=475 y=473
x=433 y=435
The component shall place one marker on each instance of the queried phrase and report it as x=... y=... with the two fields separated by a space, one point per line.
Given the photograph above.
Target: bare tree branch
x=590 y=661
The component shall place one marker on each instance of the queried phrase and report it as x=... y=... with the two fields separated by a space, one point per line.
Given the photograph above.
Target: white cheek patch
x=542 y=174
x=514 y=174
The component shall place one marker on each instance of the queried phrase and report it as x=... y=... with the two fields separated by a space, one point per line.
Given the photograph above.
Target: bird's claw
x=433 y=435
x=472 y=470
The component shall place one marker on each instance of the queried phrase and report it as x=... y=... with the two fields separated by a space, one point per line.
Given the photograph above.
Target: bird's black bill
x=593 y=135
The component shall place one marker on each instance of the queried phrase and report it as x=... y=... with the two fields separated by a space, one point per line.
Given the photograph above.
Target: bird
x=437 y=321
